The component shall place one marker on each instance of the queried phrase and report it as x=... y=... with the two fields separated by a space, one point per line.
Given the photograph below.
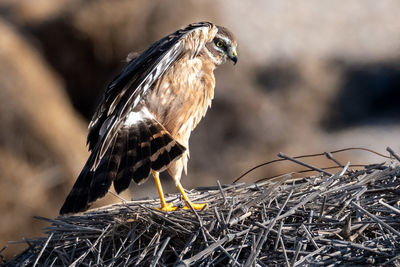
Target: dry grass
x=347 y=218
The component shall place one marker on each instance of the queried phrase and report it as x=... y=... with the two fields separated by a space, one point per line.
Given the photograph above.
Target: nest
x=346 y=218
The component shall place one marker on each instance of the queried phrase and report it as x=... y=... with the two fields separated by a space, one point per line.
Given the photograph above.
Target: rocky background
x=312 y=76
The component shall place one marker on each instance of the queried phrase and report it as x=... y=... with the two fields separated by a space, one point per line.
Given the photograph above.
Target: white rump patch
x=136 y=116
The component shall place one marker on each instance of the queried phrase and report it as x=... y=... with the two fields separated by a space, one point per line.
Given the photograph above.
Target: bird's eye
x=219 y=43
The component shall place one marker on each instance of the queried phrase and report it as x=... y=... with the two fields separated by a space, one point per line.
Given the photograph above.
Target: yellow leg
x=188 y=201
x=164 y=205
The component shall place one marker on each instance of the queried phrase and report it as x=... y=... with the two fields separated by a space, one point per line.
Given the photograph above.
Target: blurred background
x=312 y=76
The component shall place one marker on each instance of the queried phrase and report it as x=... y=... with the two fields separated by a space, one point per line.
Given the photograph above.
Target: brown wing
x=125 y=91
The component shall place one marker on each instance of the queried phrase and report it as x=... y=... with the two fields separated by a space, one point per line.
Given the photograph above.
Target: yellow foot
x=168 y=207
x=195 y=206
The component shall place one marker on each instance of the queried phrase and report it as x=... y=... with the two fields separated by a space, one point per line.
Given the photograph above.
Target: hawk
x=148 y=112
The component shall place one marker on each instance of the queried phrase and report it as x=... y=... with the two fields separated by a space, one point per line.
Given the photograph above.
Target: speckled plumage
x=149 y=111
x=180 y=99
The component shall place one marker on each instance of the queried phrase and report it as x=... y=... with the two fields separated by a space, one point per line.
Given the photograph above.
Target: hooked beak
x=232 y=54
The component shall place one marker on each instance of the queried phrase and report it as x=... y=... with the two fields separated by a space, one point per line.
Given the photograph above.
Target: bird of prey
x=148 y=112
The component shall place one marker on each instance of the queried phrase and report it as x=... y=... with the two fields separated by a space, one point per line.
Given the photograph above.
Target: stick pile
x=348 y=218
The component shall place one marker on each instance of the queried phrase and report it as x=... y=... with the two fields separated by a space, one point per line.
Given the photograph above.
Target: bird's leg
x=188 y=202
x=164 y=205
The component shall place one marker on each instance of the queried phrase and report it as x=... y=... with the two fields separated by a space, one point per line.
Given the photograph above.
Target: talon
x=196 y=206
x=168 y=207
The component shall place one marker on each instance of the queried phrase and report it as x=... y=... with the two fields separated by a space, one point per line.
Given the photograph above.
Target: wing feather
x=126 y=90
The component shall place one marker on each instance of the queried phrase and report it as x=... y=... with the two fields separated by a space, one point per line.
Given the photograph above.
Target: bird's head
x=223 y=47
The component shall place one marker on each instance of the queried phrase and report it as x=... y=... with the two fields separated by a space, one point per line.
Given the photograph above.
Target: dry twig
x=286 y=222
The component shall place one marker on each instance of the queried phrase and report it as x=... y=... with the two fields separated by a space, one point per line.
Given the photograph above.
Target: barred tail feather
x=123 y=180
x=107 y=170
x=141 y=170
x=78 y=198
x=159 y=140
x=150 y=147
x=138 y=148
x=93 y=184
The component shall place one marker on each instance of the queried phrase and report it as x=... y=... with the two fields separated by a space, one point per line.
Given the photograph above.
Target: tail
x=139 y=146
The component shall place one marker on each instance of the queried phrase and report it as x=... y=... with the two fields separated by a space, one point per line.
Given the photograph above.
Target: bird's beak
x=232 y=54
